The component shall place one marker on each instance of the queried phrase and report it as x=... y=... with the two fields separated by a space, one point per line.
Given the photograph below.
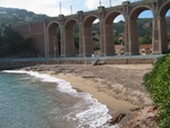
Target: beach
x=117 y=86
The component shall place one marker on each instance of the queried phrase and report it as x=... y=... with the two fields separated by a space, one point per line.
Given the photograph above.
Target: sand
x=120 y=87
x=117 y=86
x=87 y=85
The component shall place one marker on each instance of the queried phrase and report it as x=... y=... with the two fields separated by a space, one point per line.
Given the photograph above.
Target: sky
x=52 y=7
x=55 y=7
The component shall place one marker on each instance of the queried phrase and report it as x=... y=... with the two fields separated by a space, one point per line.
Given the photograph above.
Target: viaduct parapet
x=47 y=40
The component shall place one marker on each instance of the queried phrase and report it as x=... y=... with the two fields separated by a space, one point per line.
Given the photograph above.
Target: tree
x=147 y=39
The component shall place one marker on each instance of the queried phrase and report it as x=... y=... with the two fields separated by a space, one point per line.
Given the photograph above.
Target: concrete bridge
x=46 y=40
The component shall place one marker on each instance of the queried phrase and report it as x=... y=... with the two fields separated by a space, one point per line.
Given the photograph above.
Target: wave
x=96 y=115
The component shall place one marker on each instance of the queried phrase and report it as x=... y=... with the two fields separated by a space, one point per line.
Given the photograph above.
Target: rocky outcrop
x=117 y=118
x=144 y=118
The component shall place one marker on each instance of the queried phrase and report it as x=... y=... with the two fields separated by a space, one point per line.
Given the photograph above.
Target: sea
x=33 y=100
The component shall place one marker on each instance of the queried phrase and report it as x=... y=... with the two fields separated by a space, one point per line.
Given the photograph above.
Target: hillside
x=14 y=15
x=144 y=26
x=11 y=43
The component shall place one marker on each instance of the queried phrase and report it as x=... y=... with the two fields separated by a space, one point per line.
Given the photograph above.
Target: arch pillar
x=63 y=45
x=87 y=40
x=81 y=42
x=127 y=36
x=103 y=47
x=69 y=38
x=108 y=44
x=63 y=37
x=160 y=43
x=133 y=42
x=46 y=41
x=126 y=10
x=69 y=41
x=87 y=36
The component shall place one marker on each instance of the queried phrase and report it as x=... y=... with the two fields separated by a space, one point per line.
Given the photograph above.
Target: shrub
x=158 y=84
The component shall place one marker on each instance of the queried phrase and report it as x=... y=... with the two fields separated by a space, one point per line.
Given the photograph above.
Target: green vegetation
x=158 y=84
x=13 y=45
x=118 y=32
x=144 y=28
x=146 y=39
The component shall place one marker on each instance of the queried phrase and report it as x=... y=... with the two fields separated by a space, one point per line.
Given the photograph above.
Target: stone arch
x=108 y=31
x=163 y=31
x=88 y=21
x=87 y=34
x=133 y=35
x=164 y=9
x=70 y=45
x=54 y=40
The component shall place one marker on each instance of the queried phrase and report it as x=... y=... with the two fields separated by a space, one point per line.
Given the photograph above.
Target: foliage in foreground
x=158 y=84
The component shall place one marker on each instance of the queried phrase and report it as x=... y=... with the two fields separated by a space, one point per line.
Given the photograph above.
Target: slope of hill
x=14 y=15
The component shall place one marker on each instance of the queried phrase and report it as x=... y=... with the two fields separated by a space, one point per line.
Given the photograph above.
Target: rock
x=116 y=119
x=87 y=75
x=101 y=62
x=152 y=109
x=144 y=118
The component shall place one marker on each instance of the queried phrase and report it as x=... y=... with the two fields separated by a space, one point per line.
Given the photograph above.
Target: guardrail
x=18 y=63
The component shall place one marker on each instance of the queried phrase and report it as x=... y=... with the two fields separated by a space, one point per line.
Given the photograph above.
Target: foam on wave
x=96 y=115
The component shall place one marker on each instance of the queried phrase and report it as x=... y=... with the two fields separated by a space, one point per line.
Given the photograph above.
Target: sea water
x=33 y=100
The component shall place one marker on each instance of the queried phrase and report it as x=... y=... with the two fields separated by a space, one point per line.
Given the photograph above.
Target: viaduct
x=46 y=40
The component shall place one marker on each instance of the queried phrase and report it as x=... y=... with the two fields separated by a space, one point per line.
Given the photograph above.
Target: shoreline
x=119 y=87
x=111 y=102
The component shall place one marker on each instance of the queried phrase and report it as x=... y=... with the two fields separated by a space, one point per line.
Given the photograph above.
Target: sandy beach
x=92 y=87
x=117 y=86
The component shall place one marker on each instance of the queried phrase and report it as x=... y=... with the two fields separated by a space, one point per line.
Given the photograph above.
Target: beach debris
x=94 y=62
x=97 y=62
x=87 y=75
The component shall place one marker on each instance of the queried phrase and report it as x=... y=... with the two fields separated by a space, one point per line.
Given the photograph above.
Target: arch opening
x=54 y=40
x=141 y=31
x=114 y=34
x=164 y=12
x=72 y=38
x=145 y=32
x=92 y=36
